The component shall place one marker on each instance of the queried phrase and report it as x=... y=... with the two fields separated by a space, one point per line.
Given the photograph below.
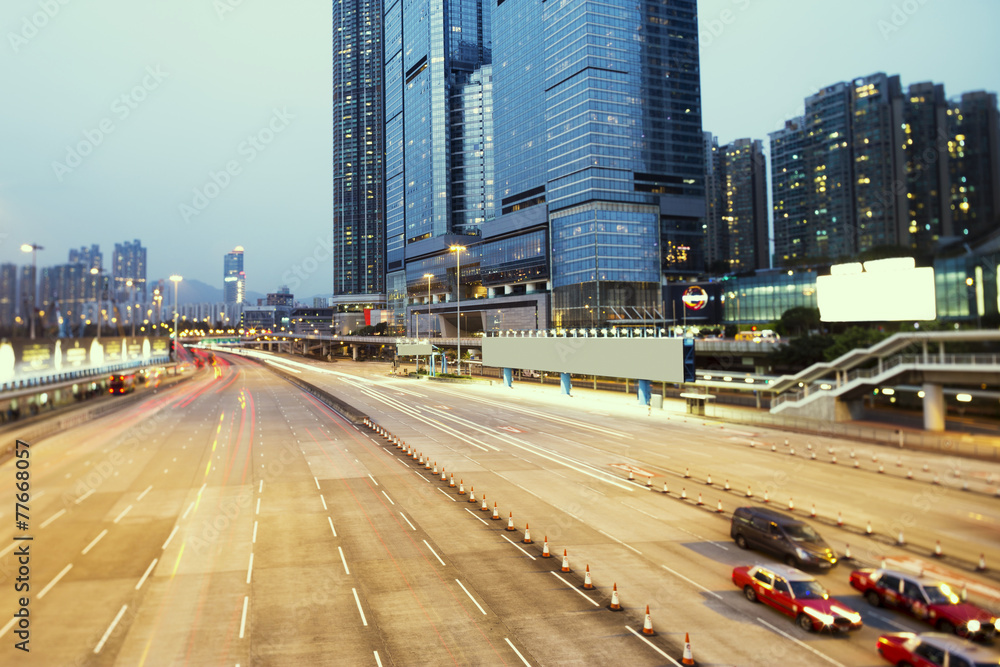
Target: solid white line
x=188 y=510
x=331 y=526
x=324 y=502
x=54 y=581
x=693 y=583
x=387 y=497
x=447 y=496
x=573 y=588
x=254 y=539
x=470 y=597
x=361 y=611
x=377 y=660
x=83 y=497
x=372 y=479
x=169 y=538
x=653 y=646
x=250 y=568
x=260 y=488
x=243 y=621
x=421 y=476
x=475 y=515
x=514 y=648
x=146 y=574
x=96 y=540
x=7 y=627
x=53 y=518
x=122 y=515
x=202 y=488
x=143 y=494
x=107 y=633
x=344 y=560
x=628 y=546
x=433 y=552
x=802 y=644
x=407 y=521
x=514 y=543
x=891 y=622
x=257 y=511
x=317 y=482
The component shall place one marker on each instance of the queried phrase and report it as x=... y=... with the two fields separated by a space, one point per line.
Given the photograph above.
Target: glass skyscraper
x=233 y=276
x=736 y=220
x=128 y=263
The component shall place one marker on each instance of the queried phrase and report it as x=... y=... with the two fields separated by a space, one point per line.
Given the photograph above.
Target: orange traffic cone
x=435 y=470
x=472 y=494
x=647 y=625
x=718 y=507
x=451 y=484
x=688 y=659
x=510 y=522
x=461 y=486
x=444 y=477
x=937 y=550
x=496 y=513
x=484 y=508
x=565 y=563
x=545 y=548
x=615 y=605
x=527 y=535
x=587 y=583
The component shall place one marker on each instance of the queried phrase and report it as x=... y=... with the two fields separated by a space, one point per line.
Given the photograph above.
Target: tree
x=853 y=338
x=799 y=353
x=799 y=321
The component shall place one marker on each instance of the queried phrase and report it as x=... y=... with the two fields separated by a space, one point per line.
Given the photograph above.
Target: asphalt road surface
x=236 y=520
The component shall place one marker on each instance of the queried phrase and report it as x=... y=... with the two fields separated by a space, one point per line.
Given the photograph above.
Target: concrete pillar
x=508 y=377
x=644 y=392
x=444 y=364
x=432 y=367
x=934 y=411
x=354 y=352
x=529 y=288
x=508 y=289
x=564 y=381
x=491 y=292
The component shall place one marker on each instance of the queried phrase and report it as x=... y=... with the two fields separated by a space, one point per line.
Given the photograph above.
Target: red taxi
x=796 y=594
x=932 y=649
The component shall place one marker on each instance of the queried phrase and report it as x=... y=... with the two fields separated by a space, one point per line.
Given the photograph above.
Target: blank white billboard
x=877 y=296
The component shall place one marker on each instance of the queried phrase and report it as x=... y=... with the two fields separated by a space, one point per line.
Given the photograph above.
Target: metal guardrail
x=40 y=381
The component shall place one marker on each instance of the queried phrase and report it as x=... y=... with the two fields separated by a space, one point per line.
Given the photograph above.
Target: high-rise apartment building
x=791 y=195
x=925 y=120
x=128 y=265
x=736 y=220
x=233 y=277
x=359 y=223
x=8 y=295
x=92 y=257
x=974 y=163
x=715 y=250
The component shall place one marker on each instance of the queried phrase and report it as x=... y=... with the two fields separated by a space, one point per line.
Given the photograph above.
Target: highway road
x=236 y=520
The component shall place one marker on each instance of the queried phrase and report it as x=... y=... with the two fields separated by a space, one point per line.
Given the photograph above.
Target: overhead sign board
x=414 y=348
x=655 y=359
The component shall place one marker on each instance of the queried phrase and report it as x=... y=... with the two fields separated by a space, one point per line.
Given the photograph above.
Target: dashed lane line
x=433 y=552
x=653 y=646
x=357 y=600
x=470 y=595
x=800 y=643
x=52 y=518
x=514 y=649
x=573 y=588
x=334 y=532
x=513 y=542
x=387 y=497
x=447 y=496
x=107 y=633
x=52 y=583
x=408 y=521
x=243 y=620
x=693 y=583
x=122 y=515
x=172 y=533
x=94 y=543
x=146 y=574
x=343 y=560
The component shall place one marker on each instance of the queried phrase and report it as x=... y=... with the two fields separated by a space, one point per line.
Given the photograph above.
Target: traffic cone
x=749 y=492
x=421 y=459
x=840 y=520
x=587 y=583
x=565 y=563
x=852 y=454
x=900 y=541
x=937 y=550
x=874 y=458
x=527 y=535
x=857 y=463
x=708 y=480
x=496 y=513
x=812 y=514
x=926 y=467
x=936 y=480
x=484 y=508
x=647 y=625
x=881 y=468
x=451 y=484
x=727 y=485
x=899 y=462
x=718 y=507
x=833 y=459
x=631 y=476
x=684 y=493
x=688 y=658
x=472 y=494
x=909 y=474
x=791 y=451
x=847 y=552
x=982 y=563
x=435 y=470
x=767 y=499
x=427 y=464
x=461 y=486
x=868 y=528
x=510 y=522
x=687 y=473
x=699 y=500
x=665 y=489
x=773 y=448
x=545 y=548
x=444 y=477
x=812 y=455
x=809 y=446
x=791 y=505
x=649 y=481
x=615 y=605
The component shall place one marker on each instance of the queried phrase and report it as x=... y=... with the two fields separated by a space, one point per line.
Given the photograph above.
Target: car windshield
x=802 y=533
x=808 y=590
x=940 y=594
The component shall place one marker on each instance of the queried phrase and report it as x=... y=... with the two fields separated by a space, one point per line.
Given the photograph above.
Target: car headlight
x=825 y=619
x=851 y=616
x=996 y=624
x=973 y=626
x=801 y=553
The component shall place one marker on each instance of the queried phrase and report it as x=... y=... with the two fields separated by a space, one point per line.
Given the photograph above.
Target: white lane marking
x=573 y=588
x=250 y=568
x=476 y=515
x=514 y=649
x=83 y=497
x=257 y=511
x=188 y=510
x=122 y=515
x=693 y=583
x=387 y=497
x=260 y=488
x=421 y=476
x=447 y=496
x=514 y=543
x=169 y=538
x=243 y=620
x=51 y=519
x=324 y=502
x=331 y=526
x=619 y=541
x=8 y=549
x=653 y=646
x=402 y=462
x=202 y=489
x=372 y=479
x=364 y=621
x=378 y=661
x=143 y=494
x=107 y=633
x=407 y=521
x=891 y=622
x=52 y=583
x=146 y=574
x=802 y=644
x=253 y=540
x=433 y=552
x=96 y=540
x=7 y=627
x=344 y=560
x=470 y=597
x=317 y=482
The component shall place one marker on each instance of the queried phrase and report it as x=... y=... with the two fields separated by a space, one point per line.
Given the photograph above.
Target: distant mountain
x=195 y=291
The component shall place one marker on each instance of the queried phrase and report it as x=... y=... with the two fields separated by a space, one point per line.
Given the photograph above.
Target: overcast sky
x=199 y=125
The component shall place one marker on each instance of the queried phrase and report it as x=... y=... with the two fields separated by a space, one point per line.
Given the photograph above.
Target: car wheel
x=805 y=622
x=946 y=627
x=741 y=542
x=750 y=593
x=873 y=599
x=903 y=664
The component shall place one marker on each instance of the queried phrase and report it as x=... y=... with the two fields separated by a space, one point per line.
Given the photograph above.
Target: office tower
x=606 y=142
x=925 y=147
x=233 y=277
x=974 y=164
x=879 y=163
x=742 y=235
x=472 y=159
x=715 y=249
x=359 y=235
x=8 y=295
x=128 y=264
x=791 y=194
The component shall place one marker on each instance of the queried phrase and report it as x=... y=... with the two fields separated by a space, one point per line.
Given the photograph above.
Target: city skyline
x=245 y=93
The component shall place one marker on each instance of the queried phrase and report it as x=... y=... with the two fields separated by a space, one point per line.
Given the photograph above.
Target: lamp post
x=175 y=279
x=33 y=248
x=457 y=249
x=428 y=276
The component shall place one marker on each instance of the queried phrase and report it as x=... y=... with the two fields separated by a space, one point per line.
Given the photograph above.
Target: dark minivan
x=791 y=540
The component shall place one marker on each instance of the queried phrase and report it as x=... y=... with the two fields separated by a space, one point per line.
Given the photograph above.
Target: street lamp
x=175 y=280
x=33 y=248
x=457 y=249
